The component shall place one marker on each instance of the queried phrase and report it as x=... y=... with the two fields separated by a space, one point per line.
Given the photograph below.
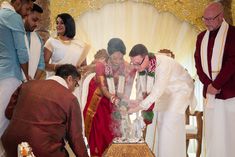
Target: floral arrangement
x=152 y=66
x=146 y=82
x=108 y=70
x=24 y=150
x=117 y=92
x=109 y=78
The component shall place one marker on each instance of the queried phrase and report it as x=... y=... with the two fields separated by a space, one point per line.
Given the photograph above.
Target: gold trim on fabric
x=222 y=50
x=102 y=81
x=95 y=100
x=66 y=42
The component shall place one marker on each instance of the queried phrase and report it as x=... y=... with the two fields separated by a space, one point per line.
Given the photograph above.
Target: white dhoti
x=7 y=88
x=170 y=136
x=151 y=134
x=219 y=129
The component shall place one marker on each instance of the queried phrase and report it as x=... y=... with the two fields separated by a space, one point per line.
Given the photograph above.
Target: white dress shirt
x=173 y=89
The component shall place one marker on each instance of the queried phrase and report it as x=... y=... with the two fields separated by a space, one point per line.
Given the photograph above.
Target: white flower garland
x=147 y=77
x=111 y=85
x=146 y=83
x=110 y=81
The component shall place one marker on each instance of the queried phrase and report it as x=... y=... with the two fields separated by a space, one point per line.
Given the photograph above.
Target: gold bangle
x=112 y=98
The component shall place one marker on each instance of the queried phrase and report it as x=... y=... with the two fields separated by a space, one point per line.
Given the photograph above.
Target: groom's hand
x=212 y=90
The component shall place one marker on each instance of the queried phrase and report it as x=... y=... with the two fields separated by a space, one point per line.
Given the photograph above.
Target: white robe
x=219 y=128
x=219 y=115
x=7 y=88
x=172 y=92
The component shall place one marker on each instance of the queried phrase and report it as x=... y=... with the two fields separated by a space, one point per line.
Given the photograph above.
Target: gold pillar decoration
x=228 y=7
x=4 y=0
x=44 y=24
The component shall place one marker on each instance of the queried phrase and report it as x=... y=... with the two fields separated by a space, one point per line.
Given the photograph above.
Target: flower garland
x=147 y=79
x=24 y=150
x=120 y=104
x=110 y=80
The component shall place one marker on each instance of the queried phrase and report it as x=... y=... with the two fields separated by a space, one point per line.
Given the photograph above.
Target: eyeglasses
x=210 y=19
x=138 y=64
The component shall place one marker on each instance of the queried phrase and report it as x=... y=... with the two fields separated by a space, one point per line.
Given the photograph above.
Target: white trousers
x=7 y=88
x=152 y=135
x=219 y=129
x=168 y=138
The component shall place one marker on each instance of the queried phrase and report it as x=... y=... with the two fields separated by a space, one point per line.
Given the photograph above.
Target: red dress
x=100 y=125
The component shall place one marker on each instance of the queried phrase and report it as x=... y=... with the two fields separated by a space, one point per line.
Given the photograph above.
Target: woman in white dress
x=64 y=49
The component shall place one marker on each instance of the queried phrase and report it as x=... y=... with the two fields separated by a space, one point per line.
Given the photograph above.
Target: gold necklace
x=66 y=42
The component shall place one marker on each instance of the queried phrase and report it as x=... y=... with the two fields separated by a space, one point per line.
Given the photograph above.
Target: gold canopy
x=186 y=10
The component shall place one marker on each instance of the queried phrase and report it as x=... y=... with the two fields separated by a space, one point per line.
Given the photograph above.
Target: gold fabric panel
x=91 y=111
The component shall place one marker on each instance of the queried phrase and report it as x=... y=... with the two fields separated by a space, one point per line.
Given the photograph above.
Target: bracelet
x=112 y=99
x=116 y=102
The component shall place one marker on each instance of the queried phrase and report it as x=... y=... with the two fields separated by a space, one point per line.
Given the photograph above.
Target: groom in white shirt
x=172 y=90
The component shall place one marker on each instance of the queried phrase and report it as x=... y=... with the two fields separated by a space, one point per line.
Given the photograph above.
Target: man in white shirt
x=35 y=44
x=167 y=84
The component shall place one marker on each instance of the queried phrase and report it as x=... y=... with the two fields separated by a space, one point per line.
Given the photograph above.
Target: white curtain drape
x=138 y=23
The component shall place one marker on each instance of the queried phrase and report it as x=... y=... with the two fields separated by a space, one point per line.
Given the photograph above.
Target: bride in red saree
x=112 y=82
